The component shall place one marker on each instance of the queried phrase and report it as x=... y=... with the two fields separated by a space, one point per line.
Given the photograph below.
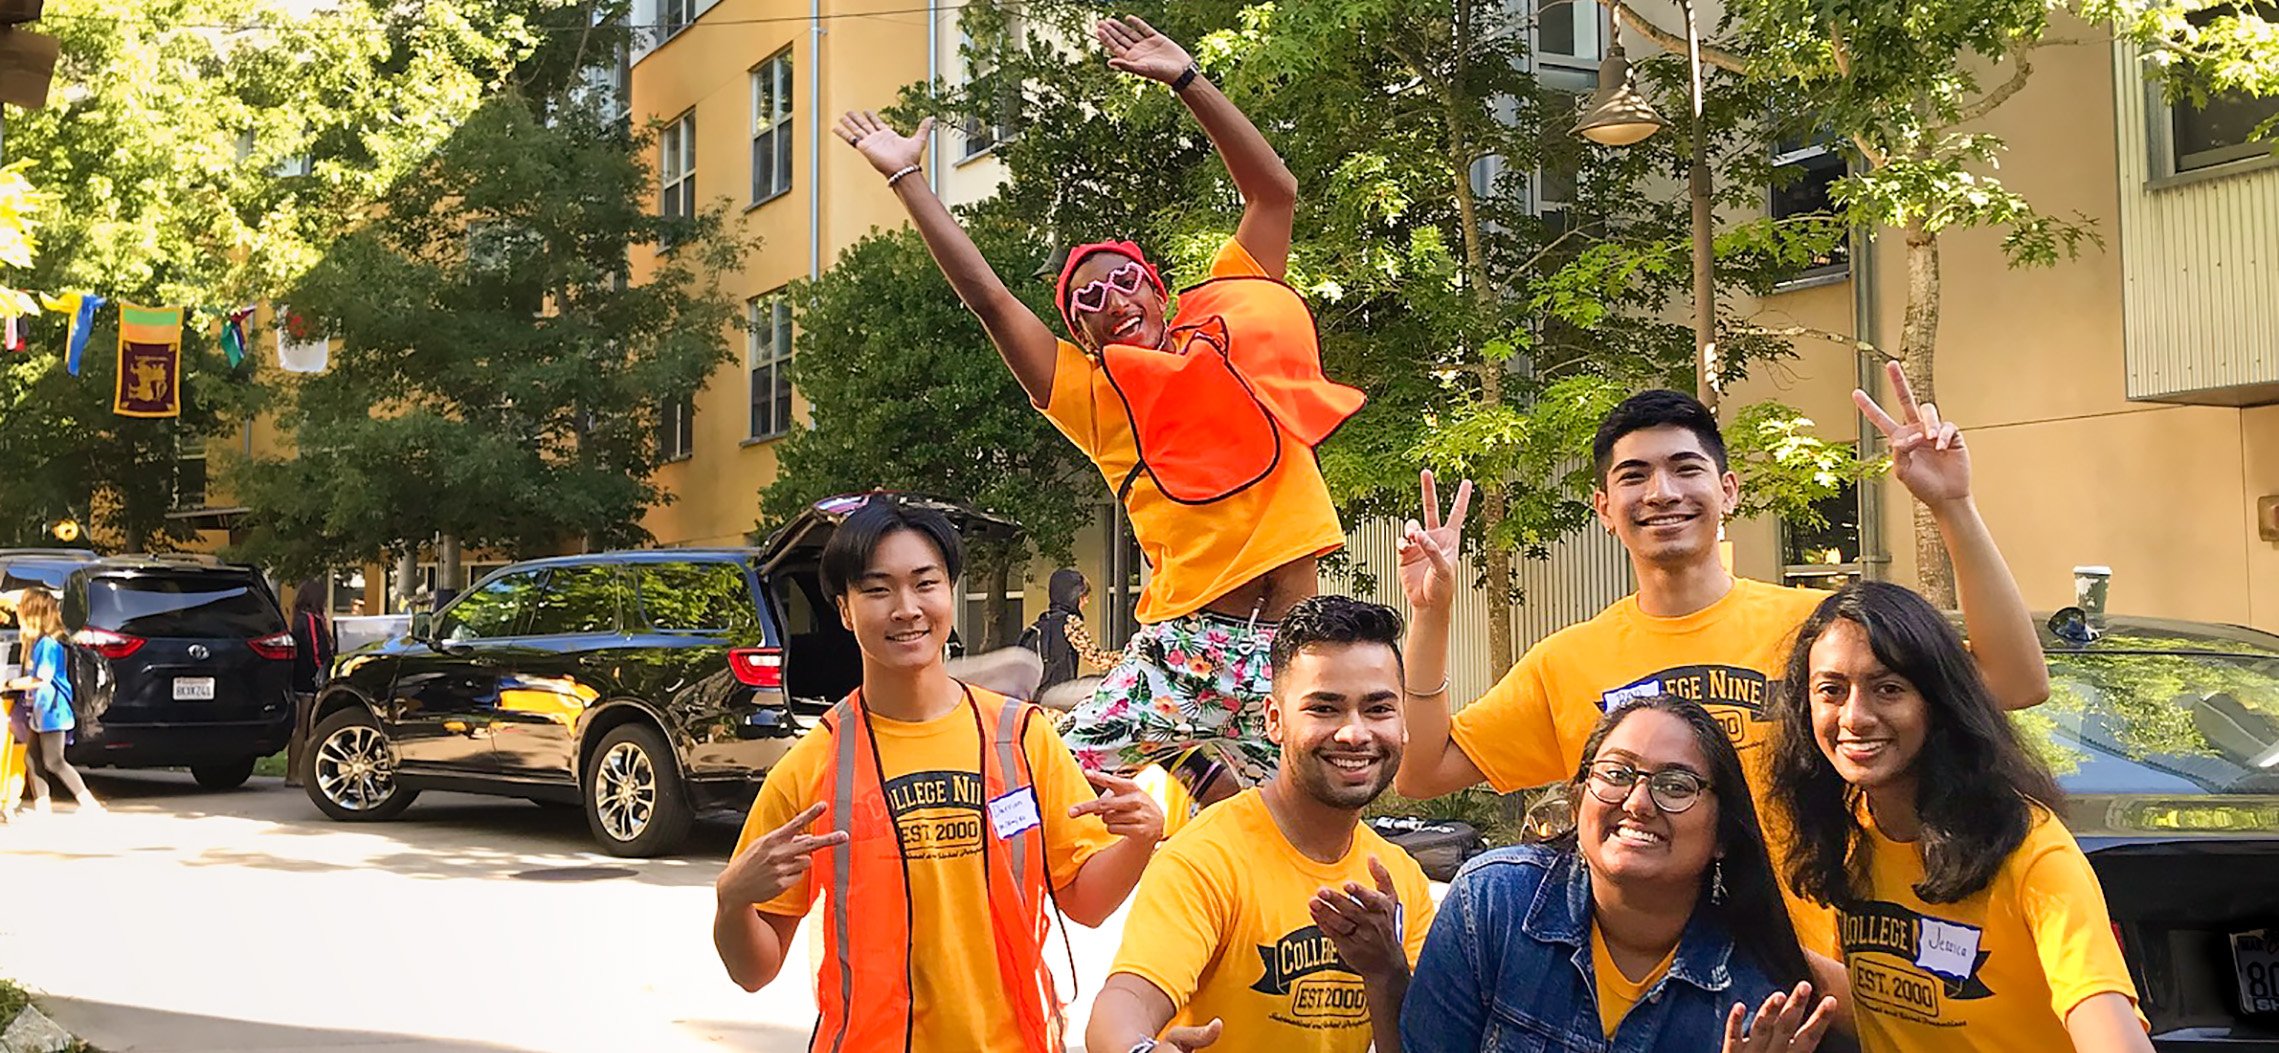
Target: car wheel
x=634 y=799
x=351 y=770
x=223 y=775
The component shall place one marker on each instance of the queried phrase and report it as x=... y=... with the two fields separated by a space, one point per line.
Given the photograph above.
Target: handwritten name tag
x=1014 y=814
x=1946 y=948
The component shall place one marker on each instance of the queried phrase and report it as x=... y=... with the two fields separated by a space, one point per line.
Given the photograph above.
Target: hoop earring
x=1717 y=881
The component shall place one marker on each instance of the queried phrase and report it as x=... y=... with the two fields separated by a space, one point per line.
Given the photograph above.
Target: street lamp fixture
x=1617 y=115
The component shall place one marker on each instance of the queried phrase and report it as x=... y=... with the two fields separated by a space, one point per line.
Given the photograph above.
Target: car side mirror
x=2074 y=626
x=423 y=626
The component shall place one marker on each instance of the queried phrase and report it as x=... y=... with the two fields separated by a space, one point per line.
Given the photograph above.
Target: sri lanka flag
x=150 y=362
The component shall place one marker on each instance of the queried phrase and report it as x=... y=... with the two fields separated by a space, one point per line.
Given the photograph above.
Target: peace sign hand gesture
x=1135 y=47
x=1428 y=551
x=1927 y=454
x=776 y=862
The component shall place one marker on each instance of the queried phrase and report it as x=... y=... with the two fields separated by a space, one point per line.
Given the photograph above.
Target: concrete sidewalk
x=187 y=920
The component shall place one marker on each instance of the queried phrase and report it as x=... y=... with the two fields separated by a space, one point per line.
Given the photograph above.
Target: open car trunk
x=822 y=662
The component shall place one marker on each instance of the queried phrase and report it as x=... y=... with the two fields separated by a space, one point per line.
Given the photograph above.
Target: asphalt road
x=187 y=920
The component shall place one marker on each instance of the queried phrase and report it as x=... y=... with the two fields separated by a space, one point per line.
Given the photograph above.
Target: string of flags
x=149 y=376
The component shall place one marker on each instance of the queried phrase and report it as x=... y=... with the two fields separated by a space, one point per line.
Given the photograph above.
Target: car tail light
x=107 y=643
x=757 y=666
x=279 y=646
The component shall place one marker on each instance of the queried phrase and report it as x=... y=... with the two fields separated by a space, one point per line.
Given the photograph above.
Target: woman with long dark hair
x=312 y=660
x=1969 y=917
x=47 y=688
x=1656 y=923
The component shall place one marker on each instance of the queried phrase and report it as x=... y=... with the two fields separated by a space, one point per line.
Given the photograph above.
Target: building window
x=1826 y=555
x=676 y=170
x=981 y=61
x=1568 y=28
x=769 y=361
x=1811 y=169
x=190 y=474
x=676 y=428
x=771 y=127
x=2203 y=129
x=675 y=15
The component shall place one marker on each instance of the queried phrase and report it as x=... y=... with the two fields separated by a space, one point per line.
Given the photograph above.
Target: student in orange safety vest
x=939 y=824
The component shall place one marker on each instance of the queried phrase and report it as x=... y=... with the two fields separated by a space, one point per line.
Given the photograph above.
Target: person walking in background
x=312 y=662
x=47 y=688
x=1048 y=635
x=1931 y=827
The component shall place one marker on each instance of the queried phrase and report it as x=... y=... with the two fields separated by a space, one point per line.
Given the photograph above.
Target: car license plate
x=190 y=688
x=2257 y=956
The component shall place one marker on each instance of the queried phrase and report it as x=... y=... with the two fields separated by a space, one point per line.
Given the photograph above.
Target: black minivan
x=179 y=662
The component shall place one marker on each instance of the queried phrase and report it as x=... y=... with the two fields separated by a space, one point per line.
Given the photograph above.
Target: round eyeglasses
x=1673 y=790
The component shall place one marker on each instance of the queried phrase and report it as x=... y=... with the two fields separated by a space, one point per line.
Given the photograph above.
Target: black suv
x=176 y=661
x=645 y=686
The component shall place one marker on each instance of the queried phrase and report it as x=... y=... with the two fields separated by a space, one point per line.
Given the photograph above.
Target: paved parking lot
x=187 y=920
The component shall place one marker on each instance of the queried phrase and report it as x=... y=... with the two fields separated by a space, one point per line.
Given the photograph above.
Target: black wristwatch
x=1179 y=85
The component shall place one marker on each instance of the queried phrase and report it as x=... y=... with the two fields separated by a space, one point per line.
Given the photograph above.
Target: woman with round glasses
x=1654 y=924
x=1203 y=424
x=1969 y=918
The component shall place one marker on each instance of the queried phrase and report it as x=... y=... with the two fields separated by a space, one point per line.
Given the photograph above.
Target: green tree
x=1904 y=87
x=1489 y=331
x=206 y=153
x=907 y=395
x=497 y=378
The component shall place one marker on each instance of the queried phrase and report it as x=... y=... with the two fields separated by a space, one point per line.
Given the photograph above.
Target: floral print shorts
x=1195 y=685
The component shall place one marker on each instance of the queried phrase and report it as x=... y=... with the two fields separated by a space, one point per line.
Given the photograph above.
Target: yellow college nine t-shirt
x=1221 y=925
x=934 y=790
x=1529 y=729
x=1996 y=972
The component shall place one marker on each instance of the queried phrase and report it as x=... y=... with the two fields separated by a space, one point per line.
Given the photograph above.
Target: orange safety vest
x=1209 y=416
x=863 y=988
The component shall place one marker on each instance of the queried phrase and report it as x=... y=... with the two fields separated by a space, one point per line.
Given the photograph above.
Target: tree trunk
x=1001 y=630
x=1918 y=345
x=1498 y=565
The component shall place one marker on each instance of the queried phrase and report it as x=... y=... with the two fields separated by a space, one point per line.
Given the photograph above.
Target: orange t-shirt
x=1198 y=552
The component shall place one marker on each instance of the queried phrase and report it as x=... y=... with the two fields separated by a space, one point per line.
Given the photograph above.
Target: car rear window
x=2191 y=720
x=696 y=597
x=182 y=605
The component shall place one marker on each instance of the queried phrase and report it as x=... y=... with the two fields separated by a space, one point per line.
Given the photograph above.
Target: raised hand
x=887 y=150
x=1127 y=809
x=1927 y=454
x=1364 y=924
x=1780 y=1025
x=1428 y=550
x=1135 y=47
x=774 y=863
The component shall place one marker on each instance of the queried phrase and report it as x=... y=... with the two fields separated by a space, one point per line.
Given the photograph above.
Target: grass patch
x=273 y=764
x=13 y=999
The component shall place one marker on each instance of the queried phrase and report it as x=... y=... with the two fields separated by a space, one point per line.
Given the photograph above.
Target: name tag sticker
x=1613 y=700
x=1015 y=813
x=1946 y=949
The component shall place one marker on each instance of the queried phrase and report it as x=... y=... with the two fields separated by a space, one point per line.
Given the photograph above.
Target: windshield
x=2193 y=715
x=187 y=605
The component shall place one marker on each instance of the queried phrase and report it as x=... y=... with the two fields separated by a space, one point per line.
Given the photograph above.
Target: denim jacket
x=1507 y=969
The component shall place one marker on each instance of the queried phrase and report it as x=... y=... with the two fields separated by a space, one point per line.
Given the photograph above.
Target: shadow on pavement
x=442 y=835
x=115 y=1028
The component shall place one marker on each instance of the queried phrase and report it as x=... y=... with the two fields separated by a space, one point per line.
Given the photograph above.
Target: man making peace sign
x=1692 y=629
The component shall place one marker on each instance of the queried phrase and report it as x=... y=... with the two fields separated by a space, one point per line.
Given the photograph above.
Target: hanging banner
x=150 y=362
x=233 y=335
x=299 y=350
x=81 y=307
